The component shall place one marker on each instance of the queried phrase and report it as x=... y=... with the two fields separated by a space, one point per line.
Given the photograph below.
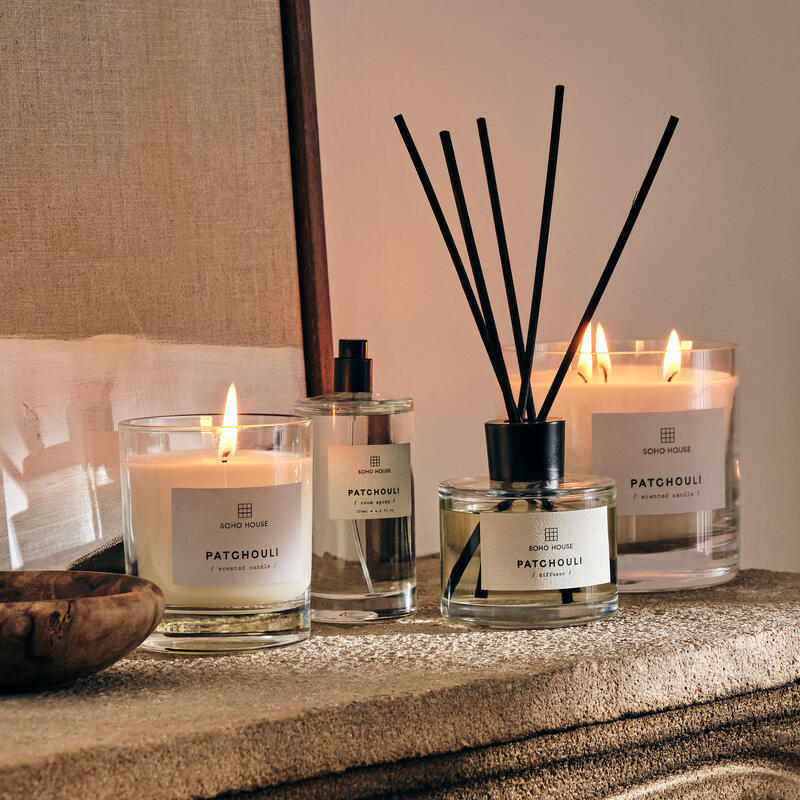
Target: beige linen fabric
x=147 y=243
x=145 y=183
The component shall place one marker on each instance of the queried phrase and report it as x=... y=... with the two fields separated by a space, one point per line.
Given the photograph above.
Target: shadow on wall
x=68 y=489
x=60 y=403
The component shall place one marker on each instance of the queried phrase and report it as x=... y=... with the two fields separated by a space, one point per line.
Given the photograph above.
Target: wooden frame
x=308 y=207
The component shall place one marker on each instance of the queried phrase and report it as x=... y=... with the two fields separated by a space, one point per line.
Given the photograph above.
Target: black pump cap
x=352 y=370
x=525 y=452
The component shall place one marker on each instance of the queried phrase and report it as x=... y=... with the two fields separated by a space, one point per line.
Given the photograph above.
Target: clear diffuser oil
x=363 y=564
x=534 y=553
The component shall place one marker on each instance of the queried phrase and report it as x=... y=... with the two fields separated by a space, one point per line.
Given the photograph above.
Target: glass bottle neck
x=523 y=486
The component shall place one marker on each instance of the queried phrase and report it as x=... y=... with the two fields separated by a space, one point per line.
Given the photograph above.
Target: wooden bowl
x=57 y=626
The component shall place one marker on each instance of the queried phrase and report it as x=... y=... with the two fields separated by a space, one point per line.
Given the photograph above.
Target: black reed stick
x=438 y=214
x=608 y=271
x=477 y=272
x=544 y=234
x=505 y=261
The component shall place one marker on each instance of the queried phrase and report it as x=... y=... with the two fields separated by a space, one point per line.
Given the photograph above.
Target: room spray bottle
x=363 y=521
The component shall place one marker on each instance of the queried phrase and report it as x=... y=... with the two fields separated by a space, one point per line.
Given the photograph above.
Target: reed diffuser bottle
x=363 y=522
x=527 y=547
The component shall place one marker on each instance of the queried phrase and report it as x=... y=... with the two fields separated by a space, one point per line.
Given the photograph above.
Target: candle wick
x=605 y=374
x=582 y=377
x=671 y=376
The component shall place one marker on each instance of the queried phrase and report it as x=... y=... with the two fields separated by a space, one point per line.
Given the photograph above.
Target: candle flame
x=601 y=348
x=228 y=433
x=672 y=358
x=585 y=360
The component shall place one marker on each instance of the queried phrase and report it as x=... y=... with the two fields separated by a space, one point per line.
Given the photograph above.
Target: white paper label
x=369 y=480
x=236 y=537
x=545 y=549
x=663 y=462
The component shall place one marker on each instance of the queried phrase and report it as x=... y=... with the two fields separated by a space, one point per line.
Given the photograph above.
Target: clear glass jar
x=546 y=556
x=670 y=439
x=363 y=542
x=220 y=518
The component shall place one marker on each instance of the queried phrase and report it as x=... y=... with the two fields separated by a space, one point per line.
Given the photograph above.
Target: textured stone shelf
x=356 y=710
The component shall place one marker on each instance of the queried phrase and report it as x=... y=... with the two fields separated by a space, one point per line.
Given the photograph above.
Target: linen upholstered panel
x=148 y=244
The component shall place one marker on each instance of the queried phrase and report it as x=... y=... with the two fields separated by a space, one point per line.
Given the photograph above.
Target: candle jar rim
x=622 y=347
x=192 y=422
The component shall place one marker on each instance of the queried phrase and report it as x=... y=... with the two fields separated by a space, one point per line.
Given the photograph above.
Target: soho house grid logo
x=551 y=534
x=668 y=435
x=374 y=461
x=245 y=510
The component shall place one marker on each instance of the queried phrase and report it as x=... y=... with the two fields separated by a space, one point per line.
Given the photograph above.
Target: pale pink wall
x=714 y=253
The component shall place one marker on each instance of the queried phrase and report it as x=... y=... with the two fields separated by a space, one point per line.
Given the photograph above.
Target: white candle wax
x=152 y=478
x=631 y=388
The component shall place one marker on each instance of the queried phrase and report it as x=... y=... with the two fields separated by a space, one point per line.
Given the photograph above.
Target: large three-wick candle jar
x=662 y=421
x=218 y=514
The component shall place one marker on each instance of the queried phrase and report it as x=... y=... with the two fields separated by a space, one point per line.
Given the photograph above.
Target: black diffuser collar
x=352 y=370
x=525 y=452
